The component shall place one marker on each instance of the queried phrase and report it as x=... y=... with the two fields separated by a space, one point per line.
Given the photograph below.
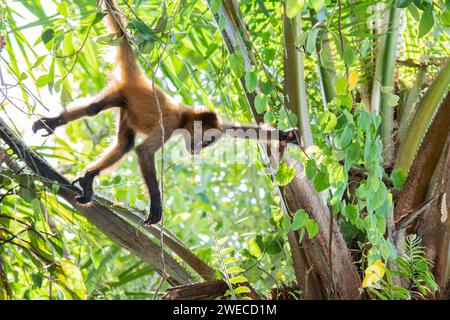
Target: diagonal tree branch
x=120 y=224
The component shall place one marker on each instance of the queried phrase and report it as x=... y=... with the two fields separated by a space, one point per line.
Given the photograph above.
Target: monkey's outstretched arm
x=113 y=99
x=146 y=158
x=261 y=133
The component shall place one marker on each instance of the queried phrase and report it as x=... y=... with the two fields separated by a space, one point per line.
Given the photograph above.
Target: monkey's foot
x=155 y=214
x=47 y=124
x=86 y=184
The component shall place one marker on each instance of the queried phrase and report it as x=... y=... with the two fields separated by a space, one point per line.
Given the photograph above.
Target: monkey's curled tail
x=125 y=58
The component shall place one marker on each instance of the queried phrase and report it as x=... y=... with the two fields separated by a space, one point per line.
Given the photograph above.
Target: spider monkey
x=137 y=99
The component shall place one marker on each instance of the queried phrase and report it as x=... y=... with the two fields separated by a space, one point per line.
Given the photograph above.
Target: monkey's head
x=203 y=128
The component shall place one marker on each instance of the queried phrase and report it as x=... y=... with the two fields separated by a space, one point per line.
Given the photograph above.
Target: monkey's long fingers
x=44 y=124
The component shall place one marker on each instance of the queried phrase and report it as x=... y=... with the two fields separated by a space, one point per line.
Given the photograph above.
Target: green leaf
x=285 y=224
x=391 y=99
x=312 y=228
x=332 y=120
x=293 y=7
x=63 y=9
x=284 y=174
x=251 y=81
x=351 y=212
x=398 y=177
x=311 y=40
x=238 y=279
x=321 y=181
x=105 y=39
x=215 y=5
x=426 y=22
x=254 y=249
x=241 y=290
x=317 y=5
x=300 y=218
x=237 y=64
x=376 y=198
x=341 y=86
x=261 y=103
x=346 y=137
x=310 y=169
x=269 y=117
x=234 y=270
x=47 y=35
x=42 y=80
x=37 y=280
x=230 y=260
x=349 y=55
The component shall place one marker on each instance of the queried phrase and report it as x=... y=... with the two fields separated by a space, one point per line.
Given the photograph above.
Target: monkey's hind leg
x=125 y=141
x=146 y=157
x=50 y=124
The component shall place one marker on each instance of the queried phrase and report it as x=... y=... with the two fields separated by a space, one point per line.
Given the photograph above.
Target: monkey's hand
x=85 y=183
x=155 y=214
x=47 y=124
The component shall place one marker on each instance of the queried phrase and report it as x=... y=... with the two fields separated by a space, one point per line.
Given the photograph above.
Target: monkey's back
x=142 y=107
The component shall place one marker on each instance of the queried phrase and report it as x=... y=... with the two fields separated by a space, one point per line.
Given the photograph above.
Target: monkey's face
x=204 y=131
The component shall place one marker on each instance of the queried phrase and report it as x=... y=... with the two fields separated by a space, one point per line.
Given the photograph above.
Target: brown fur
x=133 y=93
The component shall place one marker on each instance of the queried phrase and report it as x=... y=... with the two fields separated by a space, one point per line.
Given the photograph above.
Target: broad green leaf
x=254 y=249
x=426 y=22
x=332 y=120
x=349 y=55
x=238 y=279
x=237 y=64
x=261 y=103
x=341 y=86
x=215 y=5
x=310 y=169
x=284 y=174
x=47 y=35
x=391 y=99
x=351 y=212
x=269 y=117
x=312 y=228
x=285 y=224
x=241 y=290
x=63 y=9
x=230 y=260
x=105 y=39
x=346 y=137
x=398 y=177
x=321 y=181
x=311 y=40
x=251 y=81
x=293 y=7
x=234 y=270
x=299 y=220
x=377 y=197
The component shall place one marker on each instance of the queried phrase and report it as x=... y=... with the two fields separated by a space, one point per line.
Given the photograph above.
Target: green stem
x=387 y=83
x=294 y=79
